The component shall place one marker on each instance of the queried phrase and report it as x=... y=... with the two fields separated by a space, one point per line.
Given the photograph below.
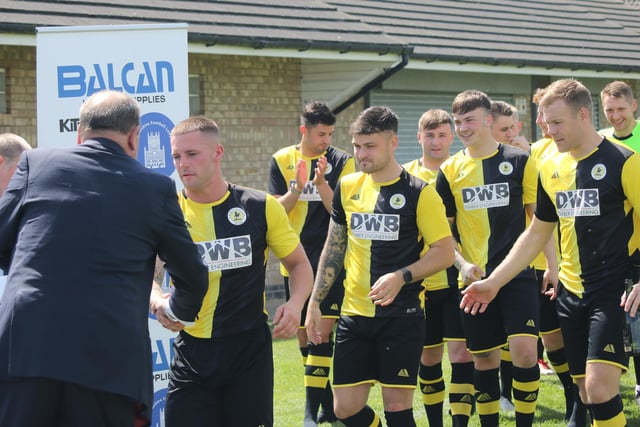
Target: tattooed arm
x=158 y=278
x=331 y=262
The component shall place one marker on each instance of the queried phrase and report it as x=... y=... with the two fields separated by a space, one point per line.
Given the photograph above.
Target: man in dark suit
x=81 y=228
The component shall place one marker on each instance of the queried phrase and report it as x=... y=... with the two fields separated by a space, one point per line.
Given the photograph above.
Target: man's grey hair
x=11 y=146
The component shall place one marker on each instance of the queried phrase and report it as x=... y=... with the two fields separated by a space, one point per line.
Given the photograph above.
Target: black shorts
x=377 y=349
x=592 y=328
x=548 y=312
x=514 y=311
x=443 y=321
x=330 y=306
x=221 y=381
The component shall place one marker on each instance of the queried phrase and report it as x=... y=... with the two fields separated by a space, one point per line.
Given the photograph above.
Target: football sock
x=432 y=387
x=526 y=383
x=608 y=414
x=400 y=418
x=487 y=388
x=365 y=418
x=316 y=377
x=461 y=393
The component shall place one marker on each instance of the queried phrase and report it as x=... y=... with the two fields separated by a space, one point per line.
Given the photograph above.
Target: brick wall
x=256 y=101
x=20 y=65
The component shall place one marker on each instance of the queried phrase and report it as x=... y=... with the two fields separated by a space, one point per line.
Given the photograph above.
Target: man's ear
x=133 y=140
x=584 y=114
x=219 y=151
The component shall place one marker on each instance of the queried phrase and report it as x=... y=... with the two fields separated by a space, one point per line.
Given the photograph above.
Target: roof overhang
x=294 y=53
x=520 y=69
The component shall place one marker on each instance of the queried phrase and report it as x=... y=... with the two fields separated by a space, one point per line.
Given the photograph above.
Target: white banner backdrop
x=150 y=62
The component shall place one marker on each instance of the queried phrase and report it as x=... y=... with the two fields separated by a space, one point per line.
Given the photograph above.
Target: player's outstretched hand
x=477 y=296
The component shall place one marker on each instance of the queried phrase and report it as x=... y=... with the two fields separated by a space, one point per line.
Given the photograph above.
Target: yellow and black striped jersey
x=309 y=218
x=592 y=198
x=444 y=278
x=389 y=225
x=234 y=236
x=486 y=197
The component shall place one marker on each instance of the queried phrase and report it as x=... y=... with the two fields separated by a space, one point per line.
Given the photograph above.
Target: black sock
x=400 y=418
x=326 y=414
x=540 y=349
x=608 y=414
x=461 y=393
x=558 y=360
x=526 y=383
x=578 y=417
x=431 y=384
x=304 y=352
x=365 y=418
x=487 y=396
x=316 y=377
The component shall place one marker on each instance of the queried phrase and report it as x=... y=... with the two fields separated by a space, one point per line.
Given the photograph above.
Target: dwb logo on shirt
x=583 y=202
x=226 y=254
x=485 y=196
x=309 y=192
x=370 y=226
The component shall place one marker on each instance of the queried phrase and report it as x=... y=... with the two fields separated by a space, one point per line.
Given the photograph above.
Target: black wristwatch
x=406 y=275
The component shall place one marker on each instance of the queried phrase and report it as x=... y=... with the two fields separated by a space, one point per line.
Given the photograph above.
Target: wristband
x=294 y=191
x=407 y=276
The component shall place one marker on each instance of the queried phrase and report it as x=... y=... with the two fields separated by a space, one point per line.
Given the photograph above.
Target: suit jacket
x=80 y=230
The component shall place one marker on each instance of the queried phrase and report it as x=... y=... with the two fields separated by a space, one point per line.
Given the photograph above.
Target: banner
x=150 y=62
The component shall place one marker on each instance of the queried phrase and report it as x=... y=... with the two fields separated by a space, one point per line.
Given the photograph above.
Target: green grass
x=289 y=395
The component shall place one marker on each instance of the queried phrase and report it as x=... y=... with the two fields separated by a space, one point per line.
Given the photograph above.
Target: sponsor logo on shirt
x=485 y=196
x=309 y=192
x=226 y=254
x=371 y=226
x=583 y=202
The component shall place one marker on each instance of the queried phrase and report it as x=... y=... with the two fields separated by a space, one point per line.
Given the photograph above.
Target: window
x=195 y=100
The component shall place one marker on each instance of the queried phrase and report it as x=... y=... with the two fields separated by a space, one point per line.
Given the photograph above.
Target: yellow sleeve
x=349 y=167
x=281 y=238
x=631 y=180
x=432 y=219
x=530 y=182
